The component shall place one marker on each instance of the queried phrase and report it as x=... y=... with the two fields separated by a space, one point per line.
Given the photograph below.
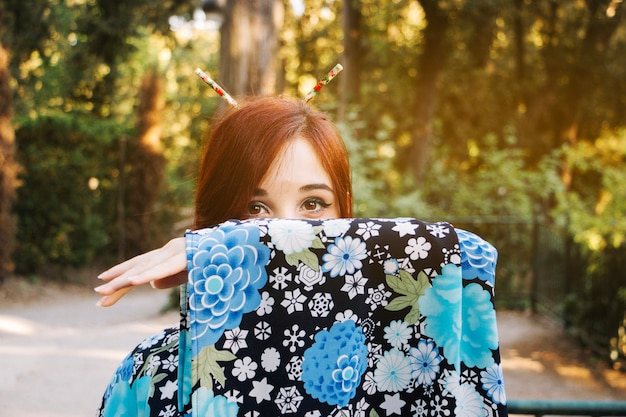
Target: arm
x=163 y=268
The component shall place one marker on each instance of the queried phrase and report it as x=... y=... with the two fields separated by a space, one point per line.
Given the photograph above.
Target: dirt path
x=541 y=362
x=58 y=351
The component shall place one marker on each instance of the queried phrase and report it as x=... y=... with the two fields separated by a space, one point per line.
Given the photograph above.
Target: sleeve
x=145 y=383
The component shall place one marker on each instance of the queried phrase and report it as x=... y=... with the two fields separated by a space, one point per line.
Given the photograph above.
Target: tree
x=146 y=175
x=432 y=61
x=8 y=170
x=575 y=60
x=352 y=54
x=12 y=15
x=108 y=25
x=250 y=46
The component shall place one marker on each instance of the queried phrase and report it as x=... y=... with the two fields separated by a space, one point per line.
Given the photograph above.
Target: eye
x=256 y=209
x=315 y=204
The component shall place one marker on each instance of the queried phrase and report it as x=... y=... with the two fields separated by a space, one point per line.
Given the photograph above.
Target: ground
x=58 y=350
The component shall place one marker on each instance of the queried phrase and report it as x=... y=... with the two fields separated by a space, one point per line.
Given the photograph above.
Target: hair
x=244 y=143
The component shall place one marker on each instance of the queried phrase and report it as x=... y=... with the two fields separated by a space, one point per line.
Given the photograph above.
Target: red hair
x=244 y=143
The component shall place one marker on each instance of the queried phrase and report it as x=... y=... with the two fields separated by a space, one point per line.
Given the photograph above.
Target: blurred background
x=504 y=117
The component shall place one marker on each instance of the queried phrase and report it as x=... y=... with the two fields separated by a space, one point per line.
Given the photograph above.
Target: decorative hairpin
x=324 y=81
x=219 y=90
x=215 y=86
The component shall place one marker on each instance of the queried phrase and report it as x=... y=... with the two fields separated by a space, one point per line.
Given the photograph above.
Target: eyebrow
x=260 y=192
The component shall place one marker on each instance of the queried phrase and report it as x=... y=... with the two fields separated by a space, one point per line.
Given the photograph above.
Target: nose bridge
x=285 y=211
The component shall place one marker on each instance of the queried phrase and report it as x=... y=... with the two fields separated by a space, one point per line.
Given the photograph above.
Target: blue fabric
x=354 y=317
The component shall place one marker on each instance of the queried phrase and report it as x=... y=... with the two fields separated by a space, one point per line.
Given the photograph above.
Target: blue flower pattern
x=460 y=319
x=334 y=350
x=229 y=270
x=333 y=365
x=126 y=399
x=208 y=404
x=478 y=257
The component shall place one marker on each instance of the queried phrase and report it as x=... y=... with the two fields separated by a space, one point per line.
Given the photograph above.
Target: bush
x=592 y=210
x=65 y=203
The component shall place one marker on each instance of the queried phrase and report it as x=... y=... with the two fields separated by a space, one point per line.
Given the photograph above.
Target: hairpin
x=219 y=90
x=324 y=81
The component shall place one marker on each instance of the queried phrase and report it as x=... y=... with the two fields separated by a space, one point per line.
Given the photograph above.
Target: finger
x=138 y=265
x=175 y=267
x=129 y=267
x=171 y=281
x=166 y=268
x=114 y=285
x=109 y=300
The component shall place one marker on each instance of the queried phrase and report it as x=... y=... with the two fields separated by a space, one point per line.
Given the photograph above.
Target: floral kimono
x=341 y=317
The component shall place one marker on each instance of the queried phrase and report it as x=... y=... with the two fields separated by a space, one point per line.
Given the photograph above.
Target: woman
x=269 y=157
x=249 y=169
x=396 y=318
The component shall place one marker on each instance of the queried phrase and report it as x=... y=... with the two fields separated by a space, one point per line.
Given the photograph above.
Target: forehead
x=296 y=162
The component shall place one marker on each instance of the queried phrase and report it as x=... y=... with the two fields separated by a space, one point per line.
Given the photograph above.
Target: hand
x=163 y=268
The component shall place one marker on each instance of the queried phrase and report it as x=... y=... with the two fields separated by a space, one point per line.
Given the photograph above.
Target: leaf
x=154 y=380
x=310 y=260
x=374 y=413
x=205 y=365
x=400 y=303
x=413 y=316
x=394 y=282
x=402 y=284
x=317 y=243
x=158 y=378
x=292 y=259
x=409 y=281
x=306 y=257
x=423 y=283
x=411 y=290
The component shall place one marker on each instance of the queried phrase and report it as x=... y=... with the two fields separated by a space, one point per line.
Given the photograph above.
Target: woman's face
x=295 y=187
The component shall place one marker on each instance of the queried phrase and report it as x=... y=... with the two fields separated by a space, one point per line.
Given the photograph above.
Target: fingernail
x=99 y=303
x=152 y=284
x=98 y=288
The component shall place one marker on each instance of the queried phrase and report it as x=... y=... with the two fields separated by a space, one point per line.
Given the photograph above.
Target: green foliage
x=380 y=189
x=62 y=77
x=520 y=79
x=592 y=211
x=488 y=181
x=65 y=200
x=594 y=205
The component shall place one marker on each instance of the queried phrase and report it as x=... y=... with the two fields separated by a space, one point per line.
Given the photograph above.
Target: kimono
x=341 y=317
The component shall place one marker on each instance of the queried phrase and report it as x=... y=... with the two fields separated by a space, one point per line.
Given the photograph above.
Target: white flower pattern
x=360 y=276
x=291 y=236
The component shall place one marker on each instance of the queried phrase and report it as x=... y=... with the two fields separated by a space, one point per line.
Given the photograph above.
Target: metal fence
x=542 y=269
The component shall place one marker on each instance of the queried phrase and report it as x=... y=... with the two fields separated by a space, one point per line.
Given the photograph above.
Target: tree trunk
x=592 y=57
x=148 y=166
x=8 y=169
x=352 y=55
x=553 y=112
x=519 y=33
x=249 y=50
x=431 y=64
